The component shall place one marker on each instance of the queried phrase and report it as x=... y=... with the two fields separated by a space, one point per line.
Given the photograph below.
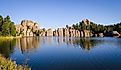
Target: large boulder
x=115 y=33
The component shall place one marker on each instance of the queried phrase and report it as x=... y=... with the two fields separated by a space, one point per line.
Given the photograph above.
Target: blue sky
x=58 y=13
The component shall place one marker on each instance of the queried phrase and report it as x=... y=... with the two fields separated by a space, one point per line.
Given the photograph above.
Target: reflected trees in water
x=7 y=47
x=27 y=44
x=84 y=43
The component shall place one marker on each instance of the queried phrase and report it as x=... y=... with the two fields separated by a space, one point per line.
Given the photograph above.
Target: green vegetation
x=97 y=28
x=7 y=64
x=7 y=27
x=6 y=48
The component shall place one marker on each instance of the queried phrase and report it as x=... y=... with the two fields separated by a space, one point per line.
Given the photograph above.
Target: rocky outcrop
x=100 y=35
x=27 y=28
x=77 y=33
x=60 y=32
x=72 y=32
x=115 y=33
x=42 y=34
x=30 y=28
x=66 y=32
x=86 y=33
x=86 y=22
x=49 y=32
x=111 y=33
x=55 y=33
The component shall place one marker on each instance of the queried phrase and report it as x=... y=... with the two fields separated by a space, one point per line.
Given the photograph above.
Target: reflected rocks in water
x=26 y=44
x=84 y=43
x=7 y=47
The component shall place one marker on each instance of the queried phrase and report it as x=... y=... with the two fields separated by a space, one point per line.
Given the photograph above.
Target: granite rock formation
x=49 y=32
x=66 y=32
x=27 y=28
x=86 y=22
x=30 y=28
x=111 y=33
x=86 y=33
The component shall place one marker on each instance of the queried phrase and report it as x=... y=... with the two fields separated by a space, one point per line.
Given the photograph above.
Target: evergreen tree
x=5 y=26
x=1 y=22
x=12 y=29
x=94 y=28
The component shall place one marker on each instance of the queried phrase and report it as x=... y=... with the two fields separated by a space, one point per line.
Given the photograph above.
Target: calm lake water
x=60 y=53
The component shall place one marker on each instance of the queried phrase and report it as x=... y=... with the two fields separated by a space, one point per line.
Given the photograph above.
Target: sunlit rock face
x=30 y=28
x=77 y=33
x=42 y=33
x=60 y=31
x=86 y=22
x=86 y=33
x=66 y=32
x=49 y=32
x=27 y=28
x=55 y=33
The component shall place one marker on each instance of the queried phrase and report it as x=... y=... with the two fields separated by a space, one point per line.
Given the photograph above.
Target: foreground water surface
x=63 y=53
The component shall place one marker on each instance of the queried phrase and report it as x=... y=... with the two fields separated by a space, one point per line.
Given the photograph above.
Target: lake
x=64 y=53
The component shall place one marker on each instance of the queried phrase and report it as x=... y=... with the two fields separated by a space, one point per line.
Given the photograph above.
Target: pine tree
x=5 y=26
x=12 y=29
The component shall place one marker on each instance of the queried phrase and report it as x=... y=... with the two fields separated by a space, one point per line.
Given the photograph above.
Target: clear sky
x=58 y=13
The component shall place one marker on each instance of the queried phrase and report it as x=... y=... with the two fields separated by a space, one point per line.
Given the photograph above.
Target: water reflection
x=7 y=47
x=84 y=43
x=54 y=53
x=26 y=44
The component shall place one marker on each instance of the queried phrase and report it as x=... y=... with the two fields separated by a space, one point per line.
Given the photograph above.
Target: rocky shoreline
x=30 y=28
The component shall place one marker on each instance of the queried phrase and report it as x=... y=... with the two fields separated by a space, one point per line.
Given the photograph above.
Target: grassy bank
x=9 y=37
x=7 y=64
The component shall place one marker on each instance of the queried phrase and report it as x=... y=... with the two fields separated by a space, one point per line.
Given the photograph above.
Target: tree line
x=97 y=28
x=7 y=27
